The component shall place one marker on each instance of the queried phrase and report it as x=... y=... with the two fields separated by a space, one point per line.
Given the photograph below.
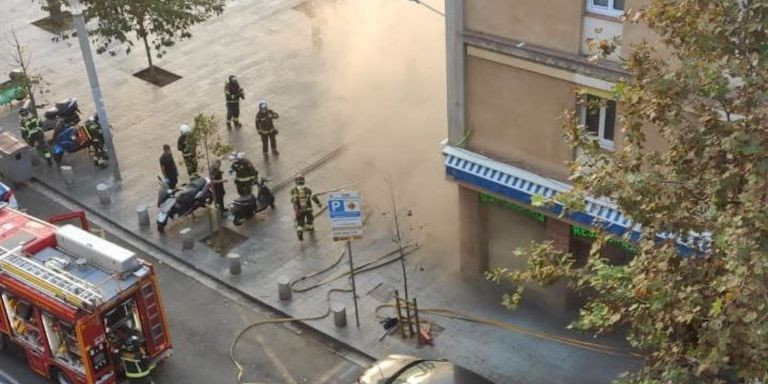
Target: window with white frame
x=598 y=115
x=606 y=7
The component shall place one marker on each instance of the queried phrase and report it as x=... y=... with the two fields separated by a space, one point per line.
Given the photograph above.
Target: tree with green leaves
x=699 y=315
x=158 y=24
x=209 y=143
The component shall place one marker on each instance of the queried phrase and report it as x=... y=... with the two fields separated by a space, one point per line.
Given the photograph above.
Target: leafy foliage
x=206 y=135
x=700 y=317
x=159 y=24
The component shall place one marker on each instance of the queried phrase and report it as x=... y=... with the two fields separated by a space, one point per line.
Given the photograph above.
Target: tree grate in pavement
x=157 y=76
x=56 y=25
x=223 y=240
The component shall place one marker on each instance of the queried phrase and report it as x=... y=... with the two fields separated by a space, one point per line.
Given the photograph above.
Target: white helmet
x=184 y=129
x=262 y=103
x=236 y=156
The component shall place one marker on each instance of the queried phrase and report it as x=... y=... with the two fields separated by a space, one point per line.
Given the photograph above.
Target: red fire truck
x=72 y=301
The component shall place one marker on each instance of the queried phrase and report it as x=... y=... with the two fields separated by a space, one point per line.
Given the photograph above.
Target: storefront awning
x=521 y=185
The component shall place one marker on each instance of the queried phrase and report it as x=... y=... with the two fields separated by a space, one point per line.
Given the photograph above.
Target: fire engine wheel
x=60 y=377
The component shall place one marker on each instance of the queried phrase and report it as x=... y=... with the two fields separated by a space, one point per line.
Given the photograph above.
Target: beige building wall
x=554 y=24
x=513 y=116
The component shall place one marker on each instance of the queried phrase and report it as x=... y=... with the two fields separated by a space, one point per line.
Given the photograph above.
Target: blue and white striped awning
x=520 y=185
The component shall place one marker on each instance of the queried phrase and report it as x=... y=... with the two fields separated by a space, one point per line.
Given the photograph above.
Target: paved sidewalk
x=368 y=76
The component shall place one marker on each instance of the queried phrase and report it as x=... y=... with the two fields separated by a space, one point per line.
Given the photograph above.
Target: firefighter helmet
x=184 y=129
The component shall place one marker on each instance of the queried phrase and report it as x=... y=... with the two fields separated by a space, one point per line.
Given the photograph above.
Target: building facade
x=514 y=68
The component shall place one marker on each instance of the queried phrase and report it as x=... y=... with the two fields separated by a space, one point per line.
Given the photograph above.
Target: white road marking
x=7 y=379
x=276 y=361
x=333 y=373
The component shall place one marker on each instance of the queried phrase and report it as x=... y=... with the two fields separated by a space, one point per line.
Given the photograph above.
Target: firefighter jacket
x=233 y=92
x=187 y=145
x=244 y=170
x=94 y=131
x=29 y=128
x=264 y=122
x=302 y=198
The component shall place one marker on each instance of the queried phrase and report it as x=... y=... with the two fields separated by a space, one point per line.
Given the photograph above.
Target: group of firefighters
x=245 y=173
x=33 y=133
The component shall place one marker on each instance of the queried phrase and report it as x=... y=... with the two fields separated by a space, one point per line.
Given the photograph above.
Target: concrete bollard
x=68 y=173
x=102 y=190
x=142 y=211
x=284 y=288
x=339 y=315
x=187 y=242
x=234 y=263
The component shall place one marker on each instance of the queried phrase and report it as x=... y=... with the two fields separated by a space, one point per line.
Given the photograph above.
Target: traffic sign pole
x=354 y=287
x=347 y=224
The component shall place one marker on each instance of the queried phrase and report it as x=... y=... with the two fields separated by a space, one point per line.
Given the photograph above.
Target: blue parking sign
x=346 y=216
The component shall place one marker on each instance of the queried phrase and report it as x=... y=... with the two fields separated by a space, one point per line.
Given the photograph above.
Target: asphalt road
x=203 y=319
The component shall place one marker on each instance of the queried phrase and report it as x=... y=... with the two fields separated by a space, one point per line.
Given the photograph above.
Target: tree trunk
x=54 y=10
x=149 y=51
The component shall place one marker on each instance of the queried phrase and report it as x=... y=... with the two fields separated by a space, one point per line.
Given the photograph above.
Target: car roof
x=442 y=372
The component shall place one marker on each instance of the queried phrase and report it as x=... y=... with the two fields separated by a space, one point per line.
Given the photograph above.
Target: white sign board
x=346 y=215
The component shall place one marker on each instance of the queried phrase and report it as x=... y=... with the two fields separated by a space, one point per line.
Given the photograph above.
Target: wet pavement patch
x=55 y=25
x=157 y=76
x=223 y=240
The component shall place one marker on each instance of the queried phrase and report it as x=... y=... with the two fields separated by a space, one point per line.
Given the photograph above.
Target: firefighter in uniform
x=302 y=198
x=188 y=147
x=265 y=126
x=96 y=138
x=245 y=173
x=32 y=132
x=136 y=364
x=233 y=93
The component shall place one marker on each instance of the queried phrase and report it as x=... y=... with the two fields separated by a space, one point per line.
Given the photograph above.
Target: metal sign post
x=354 y=288
x=347 y=224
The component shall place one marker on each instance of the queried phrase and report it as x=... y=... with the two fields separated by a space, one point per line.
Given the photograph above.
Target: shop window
x=606 y=7
x=598 y=116
x=62 y=342
x=24 y=324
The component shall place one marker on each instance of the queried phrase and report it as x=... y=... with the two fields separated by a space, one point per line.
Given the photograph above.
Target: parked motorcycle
x=174 y=203
x=245 y=207
x=71 y=138
x=63 y=114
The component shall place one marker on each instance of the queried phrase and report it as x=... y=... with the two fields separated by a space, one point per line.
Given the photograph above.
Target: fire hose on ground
x=366 y=267
x=441 y=312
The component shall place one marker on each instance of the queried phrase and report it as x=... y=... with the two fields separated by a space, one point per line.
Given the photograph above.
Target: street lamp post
x=93 y=80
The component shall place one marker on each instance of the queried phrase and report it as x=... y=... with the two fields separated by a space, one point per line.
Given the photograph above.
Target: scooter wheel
x=300 y=235
x=161 y=227
x=237 y=221
x=57 y=158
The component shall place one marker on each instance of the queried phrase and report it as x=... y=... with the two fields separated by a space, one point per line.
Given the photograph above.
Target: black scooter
x=245 y=207
x=174 y=203
x=63 y=114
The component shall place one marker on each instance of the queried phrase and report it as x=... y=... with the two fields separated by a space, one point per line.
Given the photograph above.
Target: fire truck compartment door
x=36 y=361
x=96 y=250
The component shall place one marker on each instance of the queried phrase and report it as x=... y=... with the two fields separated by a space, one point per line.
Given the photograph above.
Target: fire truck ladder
x=61 y=284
